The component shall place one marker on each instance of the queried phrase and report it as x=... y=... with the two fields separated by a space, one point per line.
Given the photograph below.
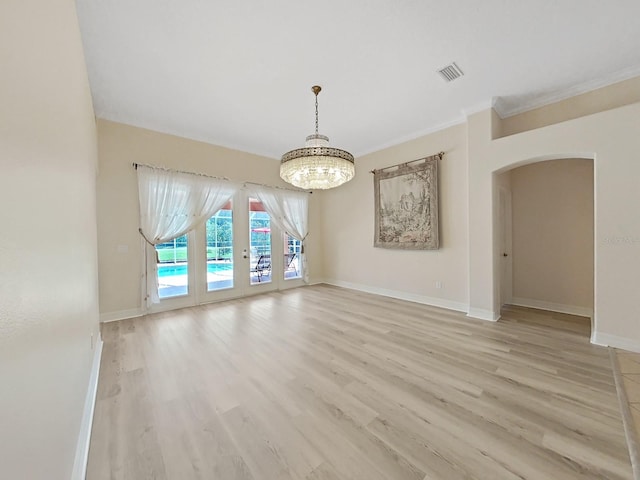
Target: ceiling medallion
x=317 y=166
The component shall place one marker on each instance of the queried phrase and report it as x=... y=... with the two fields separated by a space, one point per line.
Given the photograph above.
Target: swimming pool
x=177 y=270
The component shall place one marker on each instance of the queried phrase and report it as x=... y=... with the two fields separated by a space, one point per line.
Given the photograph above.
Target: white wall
x=48 y=257
x=118 y=218
x=348 y=220
x=553 y=234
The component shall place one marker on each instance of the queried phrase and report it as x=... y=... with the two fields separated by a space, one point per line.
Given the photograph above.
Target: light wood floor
x=630 y=368
x=325 y=383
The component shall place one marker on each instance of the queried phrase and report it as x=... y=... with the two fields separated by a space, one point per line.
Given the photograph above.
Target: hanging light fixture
x=317 y=166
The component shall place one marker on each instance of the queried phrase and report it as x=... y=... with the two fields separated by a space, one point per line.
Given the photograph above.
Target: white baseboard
x=82 y=448
x=411 y=297
x=560 y=308
x=121 y=315
x=552 y=307
x=607 y=340
x=482 y=314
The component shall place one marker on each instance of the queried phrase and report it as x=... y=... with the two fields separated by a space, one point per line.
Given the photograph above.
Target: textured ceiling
x=239 y=73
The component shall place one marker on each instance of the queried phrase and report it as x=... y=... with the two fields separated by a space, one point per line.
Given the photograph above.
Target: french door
x=237 y=252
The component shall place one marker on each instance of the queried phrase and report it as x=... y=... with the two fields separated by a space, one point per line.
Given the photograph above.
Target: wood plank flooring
x=629 y=363
x=324 y=383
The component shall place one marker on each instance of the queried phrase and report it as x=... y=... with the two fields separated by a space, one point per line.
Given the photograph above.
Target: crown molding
x=187 y=136
x=566 y=93
x=411 y=136
x=479 y=107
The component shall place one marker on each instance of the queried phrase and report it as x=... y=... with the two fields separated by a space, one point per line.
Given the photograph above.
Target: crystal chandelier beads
x=317 y=166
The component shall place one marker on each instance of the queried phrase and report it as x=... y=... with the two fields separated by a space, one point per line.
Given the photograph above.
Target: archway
x=544 y=217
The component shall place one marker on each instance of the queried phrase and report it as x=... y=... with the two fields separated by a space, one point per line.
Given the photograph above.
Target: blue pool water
x=173 y=270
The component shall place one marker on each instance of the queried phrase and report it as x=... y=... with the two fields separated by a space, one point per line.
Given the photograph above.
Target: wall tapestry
x=406 y=205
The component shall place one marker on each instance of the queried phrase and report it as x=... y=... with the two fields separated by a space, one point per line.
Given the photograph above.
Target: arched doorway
x=544 y=235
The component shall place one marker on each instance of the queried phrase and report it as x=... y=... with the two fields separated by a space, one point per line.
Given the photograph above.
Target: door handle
x=505 y=255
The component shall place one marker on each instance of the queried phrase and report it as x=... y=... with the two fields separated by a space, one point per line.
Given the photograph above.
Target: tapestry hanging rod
x=405 y=164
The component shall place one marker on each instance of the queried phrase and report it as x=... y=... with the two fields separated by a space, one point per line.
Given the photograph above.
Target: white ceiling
x=239 y=73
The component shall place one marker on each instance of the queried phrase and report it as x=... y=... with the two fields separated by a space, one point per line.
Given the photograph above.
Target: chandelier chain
x=316 y=114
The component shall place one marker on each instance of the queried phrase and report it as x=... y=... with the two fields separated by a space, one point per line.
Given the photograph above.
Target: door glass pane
x=292 y=260
x=173 y=267
x=220 y=249
x=259 y=243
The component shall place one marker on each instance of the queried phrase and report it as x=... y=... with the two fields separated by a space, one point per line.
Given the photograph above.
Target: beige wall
x=340 y=247
x=469 y=262
x=348 y=218
x=598 y=100
x=118 y=219
x=552 y=205
x=48 y=263
x=611 y=139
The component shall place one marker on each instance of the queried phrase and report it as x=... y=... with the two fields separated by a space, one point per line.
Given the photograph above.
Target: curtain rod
x=136 y=165
x=439 y=155
x=279 y=188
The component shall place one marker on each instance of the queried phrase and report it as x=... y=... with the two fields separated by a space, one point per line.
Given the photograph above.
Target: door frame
x=242 y=287
x=505 y=245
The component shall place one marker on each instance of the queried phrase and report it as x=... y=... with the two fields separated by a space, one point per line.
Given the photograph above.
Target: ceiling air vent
x=450 y=72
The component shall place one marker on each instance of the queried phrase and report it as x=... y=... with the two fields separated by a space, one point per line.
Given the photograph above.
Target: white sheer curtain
x=289 y=210
x=172 y=204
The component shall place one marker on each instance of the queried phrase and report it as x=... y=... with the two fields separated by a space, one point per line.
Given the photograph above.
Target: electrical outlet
x=438 y=284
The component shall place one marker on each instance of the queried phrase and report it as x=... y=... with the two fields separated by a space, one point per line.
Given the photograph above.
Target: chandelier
x=317 y=166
